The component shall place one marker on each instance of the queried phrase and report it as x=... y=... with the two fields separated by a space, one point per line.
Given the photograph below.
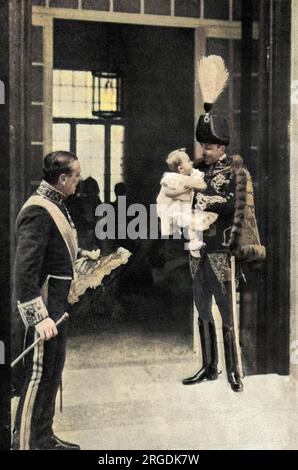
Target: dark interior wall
x=274 y=172
x=5 y=232
x=158 y=69
x=159 y=105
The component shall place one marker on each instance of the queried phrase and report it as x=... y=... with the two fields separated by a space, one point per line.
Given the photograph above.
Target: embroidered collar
x=54 y=195
x=48 y=191
x=223 y=164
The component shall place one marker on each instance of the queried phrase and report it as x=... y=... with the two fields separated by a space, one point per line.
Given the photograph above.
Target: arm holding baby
x=196 y=182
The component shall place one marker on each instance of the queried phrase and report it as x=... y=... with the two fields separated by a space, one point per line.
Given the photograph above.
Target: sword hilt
x=62 y=319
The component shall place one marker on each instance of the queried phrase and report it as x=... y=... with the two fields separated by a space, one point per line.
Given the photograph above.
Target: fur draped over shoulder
x=245 y=241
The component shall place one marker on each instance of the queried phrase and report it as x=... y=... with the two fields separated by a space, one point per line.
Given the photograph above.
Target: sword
x=235 y=316
x=64 y=317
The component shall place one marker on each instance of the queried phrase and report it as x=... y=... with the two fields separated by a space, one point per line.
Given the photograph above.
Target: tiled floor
x=123 y=390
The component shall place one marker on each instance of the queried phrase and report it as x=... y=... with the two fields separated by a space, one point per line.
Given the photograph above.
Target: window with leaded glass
x=98 y=140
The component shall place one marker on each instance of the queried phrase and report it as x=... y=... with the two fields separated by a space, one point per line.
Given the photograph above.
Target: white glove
x=94 y=254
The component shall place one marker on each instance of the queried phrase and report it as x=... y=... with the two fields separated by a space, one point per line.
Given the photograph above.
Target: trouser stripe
x=26 y=418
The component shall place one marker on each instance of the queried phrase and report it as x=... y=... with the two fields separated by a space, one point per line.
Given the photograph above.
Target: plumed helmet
x=213 y=130
x=213 y=78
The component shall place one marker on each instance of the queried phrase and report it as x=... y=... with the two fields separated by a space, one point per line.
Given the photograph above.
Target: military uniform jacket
x=219 y=197
x=41 y=254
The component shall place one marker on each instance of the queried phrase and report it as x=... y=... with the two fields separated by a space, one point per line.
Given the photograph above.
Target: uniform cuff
x=33 y=311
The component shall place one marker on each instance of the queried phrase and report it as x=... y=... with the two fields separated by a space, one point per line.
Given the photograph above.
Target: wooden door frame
x=44 y=17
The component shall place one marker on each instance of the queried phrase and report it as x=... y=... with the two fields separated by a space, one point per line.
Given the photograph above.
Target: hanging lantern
x=107 y=96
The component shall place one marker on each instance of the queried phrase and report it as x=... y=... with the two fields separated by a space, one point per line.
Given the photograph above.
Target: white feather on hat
x=213 y=78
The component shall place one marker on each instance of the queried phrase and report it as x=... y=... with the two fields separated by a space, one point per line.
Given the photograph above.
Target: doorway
x=153 y=296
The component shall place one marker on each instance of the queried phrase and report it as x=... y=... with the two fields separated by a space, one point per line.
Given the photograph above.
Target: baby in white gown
x=175 y=199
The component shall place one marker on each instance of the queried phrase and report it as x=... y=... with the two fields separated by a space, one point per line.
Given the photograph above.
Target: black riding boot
x=209 y=354
x=231 y=359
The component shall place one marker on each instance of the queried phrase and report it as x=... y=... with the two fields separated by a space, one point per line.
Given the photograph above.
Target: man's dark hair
x=56 y=164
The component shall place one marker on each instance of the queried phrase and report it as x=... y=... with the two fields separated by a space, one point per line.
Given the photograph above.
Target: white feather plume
x=213 y=77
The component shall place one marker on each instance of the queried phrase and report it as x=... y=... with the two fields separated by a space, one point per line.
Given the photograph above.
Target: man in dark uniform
x=212 y=274
x=46 y=251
